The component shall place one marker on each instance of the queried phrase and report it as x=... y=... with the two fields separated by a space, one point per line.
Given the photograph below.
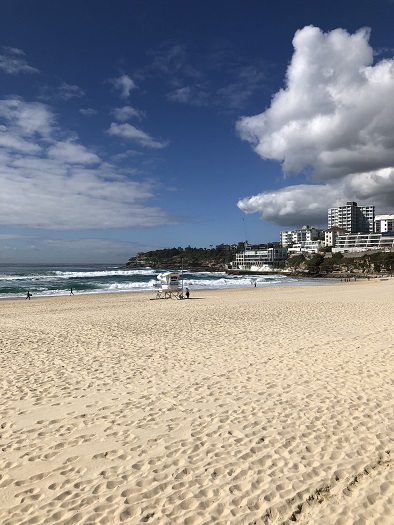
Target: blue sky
x=132 y=125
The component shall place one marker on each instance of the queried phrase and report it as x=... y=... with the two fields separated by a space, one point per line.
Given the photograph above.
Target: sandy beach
x=252 y=406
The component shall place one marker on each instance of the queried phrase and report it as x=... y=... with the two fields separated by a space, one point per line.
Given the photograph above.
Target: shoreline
x=149 y=294
x=235 y=406
x=154 y=290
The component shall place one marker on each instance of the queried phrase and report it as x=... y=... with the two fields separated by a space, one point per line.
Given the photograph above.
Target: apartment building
x=384 y=223
x=352 y=218
x=306 y=234
x=330 y=235
x=360 y=242
x=306 y=247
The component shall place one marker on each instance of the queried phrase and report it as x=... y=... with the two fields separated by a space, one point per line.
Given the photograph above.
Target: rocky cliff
x=318 y=265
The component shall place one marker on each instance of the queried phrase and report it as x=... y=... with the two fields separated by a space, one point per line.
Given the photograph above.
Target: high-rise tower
x=352 y=218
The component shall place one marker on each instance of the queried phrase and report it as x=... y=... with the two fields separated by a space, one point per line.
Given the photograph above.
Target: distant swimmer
x=28 y=295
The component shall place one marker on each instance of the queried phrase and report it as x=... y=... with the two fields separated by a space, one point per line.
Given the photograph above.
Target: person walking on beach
x=71 y=292
x=28 y=295
x=187 y=293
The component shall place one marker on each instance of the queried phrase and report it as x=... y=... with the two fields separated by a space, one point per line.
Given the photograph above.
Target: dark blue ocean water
x=49 y=280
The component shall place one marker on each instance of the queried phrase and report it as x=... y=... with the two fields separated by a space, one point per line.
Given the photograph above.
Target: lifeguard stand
x=169 y=286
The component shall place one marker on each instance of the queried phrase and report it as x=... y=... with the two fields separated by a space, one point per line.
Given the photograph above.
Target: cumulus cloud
x=129 y=132
x=72 y=153
x=124 y=84
x=308 y=203
x=333 y=120
x=54 y=183
x=13 y=61
x=24 y=120
x=126 y=113
x=302 y=204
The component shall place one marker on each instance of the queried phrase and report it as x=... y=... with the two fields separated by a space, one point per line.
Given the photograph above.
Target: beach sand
x=253 y=406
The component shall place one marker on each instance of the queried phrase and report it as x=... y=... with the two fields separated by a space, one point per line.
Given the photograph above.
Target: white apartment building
x=384 y=223
x=352 y=218
x=306 y=247
x=361 y=242
x=305 y=234
x=330 y=235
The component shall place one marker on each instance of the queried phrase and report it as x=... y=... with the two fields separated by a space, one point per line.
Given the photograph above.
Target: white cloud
x=220 y=77
x=86 y=249
x=56 y=184
x=88 y=112
x=16 y=143
x=8 y=236
x=45 y=193
x=196 y=95
x=127 y=112
x=124 y=84
x=68 y=91
x=94 y=249
x=333 y=120
x=72 y=153
x=182 y=95
x=292 y=205
x=25 y=119
x=308 y=203
x=13 y=61
x=130 y=153
x=172 y=60
x=129 y=132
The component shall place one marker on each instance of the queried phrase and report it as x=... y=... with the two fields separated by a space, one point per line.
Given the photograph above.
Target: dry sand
x=234 y=407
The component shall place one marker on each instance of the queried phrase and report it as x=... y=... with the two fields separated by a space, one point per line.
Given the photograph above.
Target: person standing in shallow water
x=71 y=292
x=28 y=295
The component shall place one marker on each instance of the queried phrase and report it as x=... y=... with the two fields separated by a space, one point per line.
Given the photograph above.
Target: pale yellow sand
x=235 y=407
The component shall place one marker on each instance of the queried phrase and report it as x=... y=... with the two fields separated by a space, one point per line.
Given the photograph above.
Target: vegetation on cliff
x=319 y=265
x=213 y=259
x=326 y=265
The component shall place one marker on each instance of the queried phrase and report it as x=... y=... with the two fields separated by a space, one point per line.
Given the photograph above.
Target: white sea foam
x=84 y=279
x=103 y=273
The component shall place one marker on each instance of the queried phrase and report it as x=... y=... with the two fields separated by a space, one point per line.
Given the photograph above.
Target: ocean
x=58 y=279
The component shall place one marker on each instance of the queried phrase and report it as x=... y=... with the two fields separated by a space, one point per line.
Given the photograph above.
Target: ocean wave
x=103 y=273
x=39 y=277
x=57 y=280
